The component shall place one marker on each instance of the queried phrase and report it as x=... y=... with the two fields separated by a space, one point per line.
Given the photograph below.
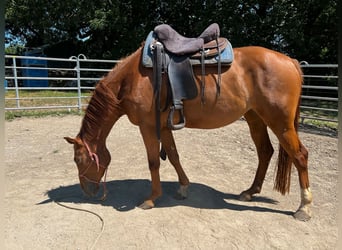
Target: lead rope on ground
x=58 y=202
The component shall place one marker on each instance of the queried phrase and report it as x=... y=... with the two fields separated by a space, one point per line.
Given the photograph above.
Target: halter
x=94 y=157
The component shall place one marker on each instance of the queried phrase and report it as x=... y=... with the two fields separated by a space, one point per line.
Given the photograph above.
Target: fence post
x=16 y=82
x=78 y=71
x=79 y=92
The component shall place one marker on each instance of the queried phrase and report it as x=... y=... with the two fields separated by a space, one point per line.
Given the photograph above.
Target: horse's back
x=255 y=57
x=269 y=69
x=274 y=80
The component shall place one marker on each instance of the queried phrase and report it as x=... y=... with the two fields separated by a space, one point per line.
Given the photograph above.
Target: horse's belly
x=211 y=120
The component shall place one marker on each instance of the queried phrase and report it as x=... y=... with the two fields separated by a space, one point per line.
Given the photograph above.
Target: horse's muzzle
x=90 y=188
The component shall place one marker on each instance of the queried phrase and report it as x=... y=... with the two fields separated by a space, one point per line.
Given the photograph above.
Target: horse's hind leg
x=169 y=146
x=297 y=153
x=264 y=148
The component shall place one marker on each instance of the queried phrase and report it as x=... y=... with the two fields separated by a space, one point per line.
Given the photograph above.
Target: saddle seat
x=180 y=45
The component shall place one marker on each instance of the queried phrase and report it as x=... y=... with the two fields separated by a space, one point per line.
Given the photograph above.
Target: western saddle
x=176 y=55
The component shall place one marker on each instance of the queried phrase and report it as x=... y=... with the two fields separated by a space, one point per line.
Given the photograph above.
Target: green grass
x=38 y=98
x=321 y=124
x=44 y=98
x=321 y=116
x=11 y=115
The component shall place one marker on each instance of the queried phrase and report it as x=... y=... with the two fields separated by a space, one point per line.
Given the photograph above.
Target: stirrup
x=181 y=123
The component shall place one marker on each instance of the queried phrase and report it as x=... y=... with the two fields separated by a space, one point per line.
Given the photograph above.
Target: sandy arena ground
x=220 y=164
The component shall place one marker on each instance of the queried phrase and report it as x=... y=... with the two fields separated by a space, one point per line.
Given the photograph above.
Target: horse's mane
x=104 y=105
x=101 y=108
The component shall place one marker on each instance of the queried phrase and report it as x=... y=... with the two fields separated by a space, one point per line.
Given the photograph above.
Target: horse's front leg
x=152 y=149
x=171 y=151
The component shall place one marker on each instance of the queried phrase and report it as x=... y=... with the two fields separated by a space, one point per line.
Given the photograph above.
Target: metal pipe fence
x=319 y=99
x=77 y=76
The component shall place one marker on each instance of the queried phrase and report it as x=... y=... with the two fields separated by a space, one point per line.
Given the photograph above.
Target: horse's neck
x=102 y=112
x=104 y=107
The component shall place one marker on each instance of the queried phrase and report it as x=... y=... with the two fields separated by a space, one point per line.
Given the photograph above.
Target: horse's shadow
x=125 y=195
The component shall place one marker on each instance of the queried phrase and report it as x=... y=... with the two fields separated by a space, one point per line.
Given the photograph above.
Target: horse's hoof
x=148 y=204
x=245 y=196
x=182 y=192
x=303 y=214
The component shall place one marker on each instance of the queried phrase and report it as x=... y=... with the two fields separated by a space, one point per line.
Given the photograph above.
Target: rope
x=87 y=211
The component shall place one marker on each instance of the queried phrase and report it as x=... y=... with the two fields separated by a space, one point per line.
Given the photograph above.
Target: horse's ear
x=70 y=140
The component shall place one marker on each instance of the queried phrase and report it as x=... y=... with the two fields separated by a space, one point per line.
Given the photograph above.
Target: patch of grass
x=11 y=115
x=43 y=93
x=42 y=98
x=319 y=118
x=321 y=124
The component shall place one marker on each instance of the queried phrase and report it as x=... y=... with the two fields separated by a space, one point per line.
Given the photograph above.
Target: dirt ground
x=220 y=164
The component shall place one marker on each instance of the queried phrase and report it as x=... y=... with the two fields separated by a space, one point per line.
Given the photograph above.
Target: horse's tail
x=284 y=164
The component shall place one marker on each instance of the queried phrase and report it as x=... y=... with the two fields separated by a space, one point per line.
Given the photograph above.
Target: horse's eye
x=77 y=160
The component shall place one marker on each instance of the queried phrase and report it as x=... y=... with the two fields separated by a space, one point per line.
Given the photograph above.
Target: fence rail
x=78 y=75
x=30 y=73
x=319 y=99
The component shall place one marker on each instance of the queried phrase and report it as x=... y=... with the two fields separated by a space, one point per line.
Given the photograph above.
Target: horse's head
x=90 y=168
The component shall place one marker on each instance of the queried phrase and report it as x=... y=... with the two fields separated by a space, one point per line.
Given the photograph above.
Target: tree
x=306 y=30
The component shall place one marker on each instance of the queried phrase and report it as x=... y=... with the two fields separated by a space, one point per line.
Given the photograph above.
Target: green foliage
x=306 y=30
x=15 y=49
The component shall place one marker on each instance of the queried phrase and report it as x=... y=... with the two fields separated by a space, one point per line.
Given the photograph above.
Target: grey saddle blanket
x=227 y=55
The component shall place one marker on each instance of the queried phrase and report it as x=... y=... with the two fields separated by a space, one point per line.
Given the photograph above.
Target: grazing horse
x=262 y=85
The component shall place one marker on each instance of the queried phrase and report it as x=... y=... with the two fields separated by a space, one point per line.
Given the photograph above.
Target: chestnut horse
x=262 y=85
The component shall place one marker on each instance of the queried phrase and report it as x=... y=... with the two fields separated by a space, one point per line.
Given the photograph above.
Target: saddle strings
x=218 y=82
x=203 y=76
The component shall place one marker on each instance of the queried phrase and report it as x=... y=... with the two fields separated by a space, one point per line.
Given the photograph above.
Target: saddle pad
x=227 y=55
x=147 y=53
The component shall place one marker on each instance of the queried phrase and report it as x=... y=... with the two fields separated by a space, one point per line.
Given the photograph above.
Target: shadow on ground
x=125 y=195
